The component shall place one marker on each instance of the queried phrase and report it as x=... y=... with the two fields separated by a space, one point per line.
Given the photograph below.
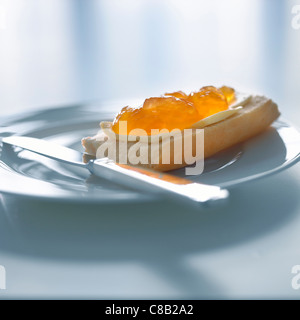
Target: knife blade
x=133 y=177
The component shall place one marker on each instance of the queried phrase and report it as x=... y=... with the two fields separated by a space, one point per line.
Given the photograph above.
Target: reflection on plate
x=25 y=173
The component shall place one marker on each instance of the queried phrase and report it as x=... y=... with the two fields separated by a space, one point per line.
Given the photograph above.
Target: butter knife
x=133 y=177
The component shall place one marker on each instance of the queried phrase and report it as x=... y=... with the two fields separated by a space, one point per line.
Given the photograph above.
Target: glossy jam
x=228 y=93
x=175 y=110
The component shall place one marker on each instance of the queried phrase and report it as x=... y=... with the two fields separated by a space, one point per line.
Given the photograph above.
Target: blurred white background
x=56 y=52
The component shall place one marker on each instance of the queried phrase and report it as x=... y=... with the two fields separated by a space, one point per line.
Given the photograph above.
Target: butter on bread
x=256 y=115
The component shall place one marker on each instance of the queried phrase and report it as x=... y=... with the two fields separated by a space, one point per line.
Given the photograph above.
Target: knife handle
x=157 y=182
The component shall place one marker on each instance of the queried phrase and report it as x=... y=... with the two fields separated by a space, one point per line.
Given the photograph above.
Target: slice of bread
x=255 y=116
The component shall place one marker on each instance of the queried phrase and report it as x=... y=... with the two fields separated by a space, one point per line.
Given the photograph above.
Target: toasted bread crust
x=255 y=117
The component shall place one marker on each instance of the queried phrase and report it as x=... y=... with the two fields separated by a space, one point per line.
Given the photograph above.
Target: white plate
x=28 y=174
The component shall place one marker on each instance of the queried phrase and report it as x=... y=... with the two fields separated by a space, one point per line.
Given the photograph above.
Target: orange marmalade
x=175 y=110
